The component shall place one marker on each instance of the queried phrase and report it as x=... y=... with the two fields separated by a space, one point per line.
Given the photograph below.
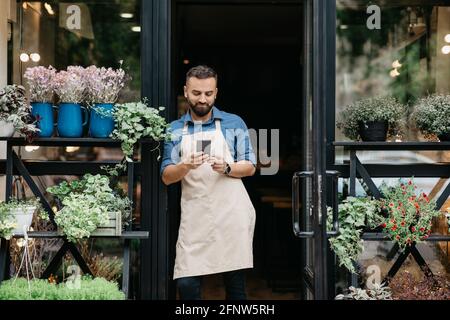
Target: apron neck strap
x=218 y=125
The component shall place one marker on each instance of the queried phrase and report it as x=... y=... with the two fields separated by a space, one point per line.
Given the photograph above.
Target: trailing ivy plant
x=86 y=205
x=134 y=121
x=354 y=215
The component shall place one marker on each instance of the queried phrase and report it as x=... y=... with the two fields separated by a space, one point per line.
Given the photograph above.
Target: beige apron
x=217 y=215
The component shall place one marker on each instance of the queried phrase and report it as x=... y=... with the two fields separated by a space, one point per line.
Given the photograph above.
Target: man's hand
x=195 y=160
x=217 y=164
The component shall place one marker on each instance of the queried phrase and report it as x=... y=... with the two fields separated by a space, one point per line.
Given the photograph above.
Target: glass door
x=309 y=184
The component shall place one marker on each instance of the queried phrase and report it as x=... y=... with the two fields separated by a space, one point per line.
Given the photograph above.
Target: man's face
x=201 y=95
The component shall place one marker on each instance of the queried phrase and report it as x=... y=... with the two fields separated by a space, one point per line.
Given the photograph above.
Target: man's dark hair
x=201 y=72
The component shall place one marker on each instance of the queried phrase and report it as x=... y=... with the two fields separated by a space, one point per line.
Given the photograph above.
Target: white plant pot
x=23 y=218
x=6 y=128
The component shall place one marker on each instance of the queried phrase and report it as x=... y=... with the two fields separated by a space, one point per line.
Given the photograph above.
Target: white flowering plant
x=70 y=85
x=372 y=109
x=41 y=83
x=86 y=205
x=432 y=115
x=104 y=84
x=15 y=109
x=134 y=121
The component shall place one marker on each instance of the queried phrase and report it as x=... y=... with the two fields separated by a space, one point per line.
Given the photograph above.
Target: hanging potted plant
x=17 y=215
x=135 y=121
x=372 y=119
x=40 y=81
x=70 y=87
x=408 y=214
x=432 y=116
x=90 y=207
x=103 y=87
x=15 y=113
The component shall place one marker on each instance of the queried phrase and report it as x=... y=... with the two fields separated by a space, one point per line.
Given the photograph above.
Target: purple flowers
x=40 y=80
x=76 y=84
x=103 y=84
x=70 y=85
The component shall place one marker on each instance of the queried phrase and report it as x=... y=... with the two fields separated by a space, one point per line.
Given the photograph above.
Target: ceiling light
x=447 y=38
x=36 y=57
x=186 y=61
x=49 y=9
x=344 y=26
x=396 y=64
x=136 y=29
x=446 y=49
x=24 y=57
x=126 y=15
x=72 y=149
x=394 y=73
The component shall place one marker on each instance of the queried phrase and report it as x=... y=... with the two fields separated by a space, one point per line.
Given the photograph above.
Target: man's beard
x=200 y=110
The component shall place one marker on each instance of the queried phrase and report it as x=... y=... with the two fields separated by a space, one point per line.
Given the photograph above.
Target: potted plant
x=432 y=116
x=354 y=215
x=89 y=204
x=134 y=121
x=372 y=119
x=409 y=214
x=15 y=113
x=41 y=82
x=103 y=87
x=18 y=213
x=70 y=87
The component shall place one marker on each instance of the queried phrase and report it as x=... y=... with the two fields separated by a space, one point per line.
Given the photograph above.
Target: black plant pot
x=373 y=130
x=444 y=137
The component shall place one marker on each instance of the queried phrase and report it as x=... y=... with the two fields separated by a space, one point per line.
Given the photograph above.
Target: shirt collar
x=216 y=114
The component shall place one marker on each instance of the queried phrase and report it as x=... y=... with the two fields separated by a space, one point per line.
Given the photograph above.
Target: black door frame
x=157 y=86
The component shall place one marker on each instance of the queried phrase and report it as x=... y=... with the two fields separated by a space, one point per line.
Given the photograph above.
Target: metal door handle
x=295 y=203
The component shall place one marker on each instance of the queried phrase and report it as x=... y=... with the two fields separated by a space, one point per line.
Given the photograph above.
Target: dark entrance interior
x=257 y=51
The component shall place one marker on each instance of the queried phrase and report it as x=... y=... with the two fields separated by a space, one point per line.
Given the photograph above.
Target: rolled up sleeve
x=171 y=154
x=243 y=147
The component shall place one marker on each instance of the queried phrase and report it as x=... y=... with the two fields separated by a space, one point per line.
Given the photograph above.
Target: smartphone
x=204 y=145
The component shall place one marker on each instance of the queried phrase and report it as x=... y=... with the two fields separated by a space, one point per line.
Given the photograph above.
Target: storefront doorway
x=260 y=52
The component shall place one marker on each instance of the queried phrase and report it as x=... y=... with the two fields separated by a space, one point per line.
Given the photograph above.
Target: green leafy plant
x=371 y=109
x=86 y=205
x=7 y=222
x=378 y=292
x=432 y=115
x=409 y=214
x=136 y=121
x=86 y=289
x=15 y=109
x=354 y=215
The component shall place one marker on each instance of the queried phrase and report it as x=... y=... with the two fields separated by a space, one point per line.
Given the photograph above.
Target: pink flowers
x=76 y=84
x=70 y=85
x=103 y=84
x=40 y=80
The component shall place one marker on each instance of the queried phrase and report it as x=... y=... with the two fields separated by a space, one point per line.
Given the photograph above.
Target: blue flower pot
x=43 y=112
x=70 y=122
x=102 y=122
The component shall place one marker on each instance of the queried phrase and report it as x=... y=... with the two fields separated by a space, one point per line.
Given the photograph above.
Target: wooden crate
x=112 y=228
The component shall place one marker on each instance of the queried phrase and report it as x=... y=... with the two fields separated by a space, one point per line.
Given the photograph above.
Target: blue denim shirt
x=233 y=128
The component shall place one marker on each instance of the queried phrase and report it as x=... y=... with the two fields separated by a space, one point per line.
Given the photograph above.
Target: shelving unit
x=16 y=166
x=361 y=170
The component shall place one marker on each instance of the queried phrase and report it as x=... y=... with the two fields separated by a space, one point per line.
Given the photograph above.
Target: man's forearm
x=242 y=169
x=174 y=173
